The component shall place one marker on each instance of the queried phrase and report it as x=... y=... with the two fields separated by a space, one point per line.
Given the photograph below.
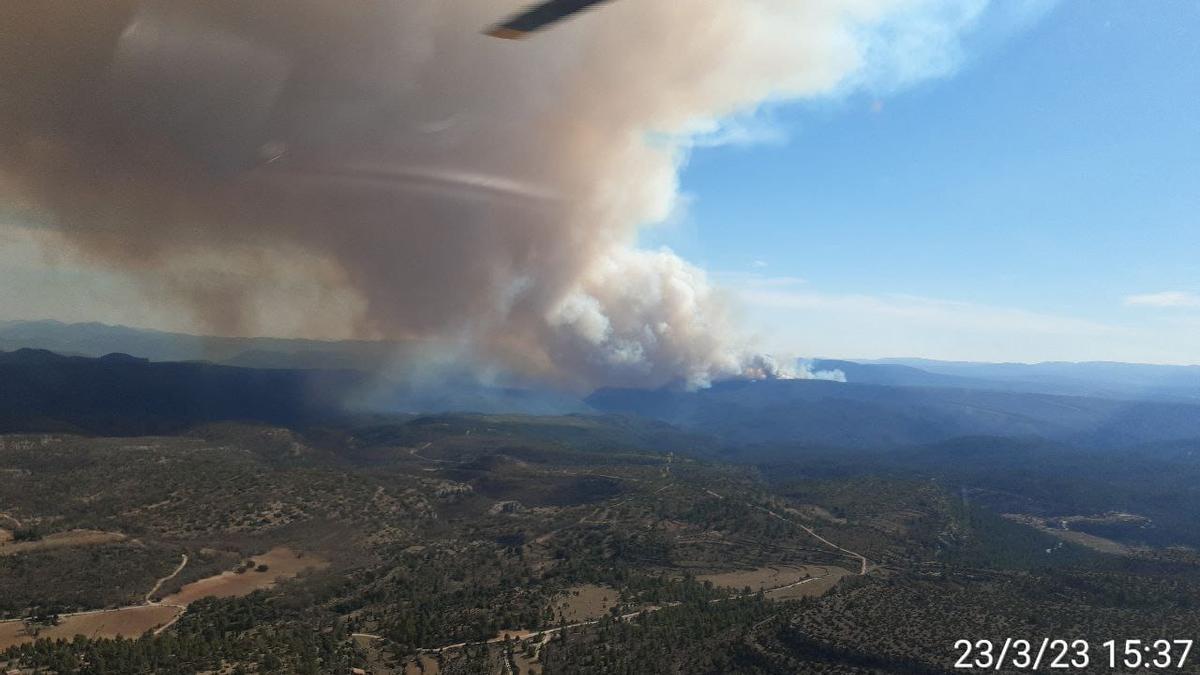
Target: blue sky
x=1040 y=202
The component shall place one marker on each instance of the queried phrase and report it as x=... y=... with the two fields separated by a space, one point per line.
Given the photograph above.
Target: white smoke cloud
x=1172 y=299
x=499 y=203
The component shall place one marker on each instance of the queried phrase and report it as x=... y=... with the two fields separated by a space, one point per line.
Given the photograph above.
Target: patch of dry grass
x=127 y=622
x=61 y=540
x=282 y=563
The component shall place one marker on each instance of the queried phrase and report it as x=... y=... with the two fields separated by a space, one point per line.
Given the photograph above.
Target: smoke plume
x=434 y=186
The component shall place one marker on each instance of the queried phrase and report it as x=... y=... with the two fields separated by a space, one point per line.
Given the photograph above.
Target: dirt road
x=866 y=565
x=133 y=620
x=158 y=584
x=413 y=452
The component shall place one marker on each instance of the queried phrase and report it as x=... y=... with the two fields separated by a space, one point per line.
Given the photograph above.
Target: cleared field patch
x=1056 y=527
x=281 y=563
x=764 y=578
x=816 y=586
x=128 y=622
x=1091 y=541
x=61 y=540
x=585 y=602
x=814 y=512
x=526 y=665
x=5 y=536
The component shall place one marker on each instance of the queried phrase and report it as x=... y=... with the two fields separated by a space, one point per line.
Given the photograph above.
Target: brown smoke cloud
x=441 y=186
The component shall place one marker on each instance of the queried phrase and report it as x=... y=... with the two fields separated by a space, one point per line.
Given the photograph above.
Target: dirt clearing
x=1057 y=527
x=1091 y=541
x=780 y=582
x=128 y=622
x=814 y=512
x=422 y=665
x=818 y=585
x=62 y=540
x=585 y=602
x=764 y=578
x=281 y=563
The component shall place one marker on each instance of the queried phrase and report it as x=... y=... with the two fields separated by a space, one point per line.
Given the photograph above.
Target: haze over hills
x=379 y=382
x=98 y=339
x=119 y=394
x=1098 y=379
x=1094 y=378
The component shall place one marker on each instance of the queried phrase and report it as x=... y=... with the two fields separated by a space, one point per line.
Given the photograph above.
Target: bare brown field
x=1091 y=541
x=1081 y=538
x=814 y=512
x=764 y=578
x=282 y=563
x=817 y=586
x=127 y=622
x=585 y=602
x=5 y=536
x=1110 y=518
x=62 y=540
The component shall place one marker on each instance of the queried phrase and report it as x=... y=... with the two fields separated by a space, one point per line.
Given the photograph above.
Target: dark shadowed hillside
x=120 y=394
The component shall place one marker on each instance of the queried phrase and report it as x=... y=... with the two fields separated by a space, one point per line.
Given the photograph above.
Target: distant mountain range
x=173 y=379
x=98 y=339
x=1132 y=381
x=378 y=386
x=1099 y=379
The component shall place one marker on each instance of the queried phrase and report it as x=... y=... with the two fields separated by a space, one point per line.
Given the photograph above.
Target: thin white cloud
x=799 y=319
x=753 y=128
x=933 y=312
x=741 y=281
x=1165 y=299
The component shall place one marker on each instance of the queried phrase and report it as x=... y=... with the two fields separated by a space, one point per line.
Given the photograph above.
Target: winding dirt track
x=158 y=584
x=866 y=564
x=180 y=608
x=414 y=451
x=147 y=603
x=176 y=604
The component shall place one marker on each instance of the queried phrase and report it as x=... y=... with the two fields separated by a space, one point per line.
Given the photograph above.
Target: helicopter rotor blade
x=538 y=17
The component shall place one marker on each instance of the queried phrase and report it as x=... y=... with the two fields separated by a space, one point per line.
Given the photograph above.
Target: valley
x=511 y=544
